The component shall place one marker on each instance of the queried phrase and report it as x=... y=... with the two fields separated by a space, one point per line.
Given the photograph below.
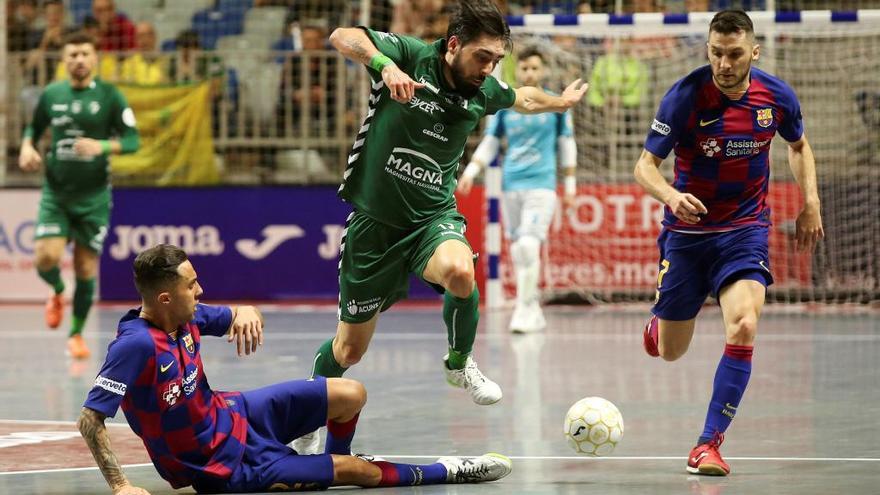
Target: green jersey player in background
x=89 y=120
x=426 y=99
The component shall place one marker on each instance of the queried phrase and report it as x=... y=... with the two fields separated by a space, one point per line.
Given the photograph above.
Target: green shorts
x=376 y=260
x=83 y=220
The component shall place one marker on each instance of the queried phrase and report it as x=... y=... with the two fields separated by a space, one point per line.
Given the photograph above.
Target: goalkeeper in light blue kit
x=529 y=184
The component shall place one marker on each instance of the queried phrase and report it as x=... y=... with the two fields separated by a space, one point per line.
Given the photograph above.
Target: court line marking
x=524 y=458
x=281 y=335
x=655 y=458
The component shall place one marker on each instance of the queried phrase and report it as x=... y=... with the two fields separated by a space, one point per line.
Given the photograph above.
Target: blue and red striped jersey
x=189 y=430
x=722 y=146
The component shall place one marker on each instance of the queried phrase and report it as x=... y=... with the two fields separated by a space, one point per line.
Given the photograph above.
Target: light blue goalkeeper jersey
x=531 y=157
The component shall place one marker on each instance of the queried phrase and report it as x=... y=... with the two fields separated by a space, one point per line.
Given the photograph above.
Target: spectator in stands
x=117 y=33
x=411 y=17
x=21 y=34
x=296 y=38
x=329 y=11
x=55 y=30
x=314 y=37
x=618 y=78
x=146 y=66
x=321 y=83
x=618 y=87
x=50 y=44
x=191 y=64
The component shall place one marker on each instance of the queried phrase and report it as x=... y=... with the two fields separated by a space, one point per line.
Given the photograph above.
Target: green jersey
x=403 y=165
x=98 y=112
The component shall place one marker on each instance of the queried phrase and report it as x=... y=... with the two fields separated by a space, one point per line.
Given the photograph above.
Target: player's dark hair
x=53 y=2
x=470 y=19
x=529 y=52
x=156 y=268
x=732 y=21
x=79 y=38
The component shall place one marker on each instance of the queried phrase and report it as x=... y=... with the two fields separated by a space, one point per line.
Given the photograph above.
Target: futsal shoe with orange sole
x=705 y=458
x=54 y=311
x=651 y=334
x=76 y=347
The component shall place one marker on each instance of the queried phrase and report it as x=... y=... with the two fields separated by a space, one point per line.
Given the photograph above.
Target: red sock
x=340 y=435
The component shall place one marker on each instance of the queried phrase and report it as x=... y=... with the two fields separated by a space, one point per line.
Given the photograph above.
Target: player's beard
x=736 y=82
x=79 y=73
x=466 y=87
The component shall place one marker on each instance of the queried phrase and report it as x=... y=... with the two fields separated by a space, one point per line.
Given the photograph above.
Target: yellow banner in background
x=174 y=123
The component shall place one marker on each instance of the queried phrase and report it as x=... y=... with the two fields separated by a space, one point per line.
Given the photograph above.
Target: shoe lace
x=473 y=374
x=470 y=471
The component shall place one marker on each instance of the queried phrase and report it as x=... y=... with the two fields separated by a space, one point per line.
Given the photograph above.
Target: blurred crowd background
x=284 y=107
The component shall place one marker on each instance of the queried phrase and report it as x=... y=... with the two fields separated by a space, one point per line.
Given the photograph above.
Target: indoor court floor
x=808 y=423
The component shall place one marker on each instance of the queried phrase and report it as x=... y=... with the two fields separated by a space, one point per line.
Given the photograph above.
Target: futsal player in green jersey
x=89 y=120
x=426 y=99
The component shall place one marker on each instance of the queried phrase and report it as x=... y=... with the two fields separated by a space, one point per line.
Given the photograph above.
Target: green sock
x=82 y=302
x=461 y=317
x=76 y=326
x=325 y=362
x=52 y=276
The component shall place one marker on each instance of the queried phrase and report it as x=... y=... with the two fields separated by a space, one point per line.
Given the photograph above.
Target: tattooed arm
x=91 y=427
x=354 y=44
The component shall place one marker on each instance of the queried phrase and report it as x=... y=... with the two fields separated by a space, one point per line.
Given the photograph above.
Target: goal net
x=604 y=249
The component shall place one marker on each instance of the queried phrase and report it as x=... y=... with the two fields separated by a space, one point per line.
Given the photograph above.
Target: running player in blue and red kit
x=720 y=120
x=222 y=442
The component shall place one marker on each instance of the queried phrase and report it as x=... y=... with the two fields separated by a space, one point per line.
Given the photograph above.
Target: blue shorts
x=693 y=266
x=277 y=415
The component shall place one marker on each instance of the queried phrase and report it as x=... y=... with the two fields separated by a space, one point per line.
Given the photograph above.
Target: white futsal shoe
x=308 y=444
x=489 y=467
x=483 y=390
x=527 y=319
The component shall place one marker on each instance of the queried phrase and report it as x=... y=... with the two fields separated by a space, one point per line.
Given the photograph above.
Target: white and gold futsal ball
x=593 y=426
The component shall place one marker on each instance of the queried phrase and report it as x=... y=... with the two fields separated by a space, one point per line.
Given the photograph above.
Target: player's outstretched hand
x=87 y=147
x=400 y=85
x=130 y=490
x=574 y=92
x=808 y=229
x=247 y=329
x=465 y=184
x=29 y=159
x=686 y=207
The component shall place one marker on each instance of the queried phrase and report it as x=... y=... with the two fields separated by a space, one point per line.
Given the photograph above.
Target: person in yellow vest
x=146 y=66
x=618 y=77
x=618 y=88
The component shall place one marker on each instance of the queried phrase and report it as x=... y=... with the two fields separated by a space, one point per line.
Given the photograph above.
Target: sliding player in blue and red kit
x=223 y=442
x=720 y=120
